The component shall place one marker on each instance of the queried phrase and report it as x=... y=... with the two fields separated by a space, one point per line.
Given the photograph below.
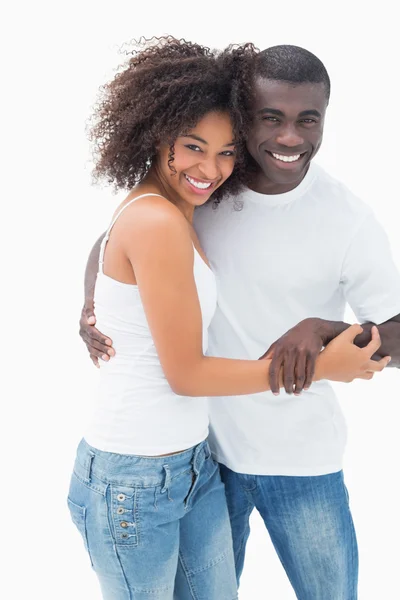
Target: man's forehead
x=268 y=92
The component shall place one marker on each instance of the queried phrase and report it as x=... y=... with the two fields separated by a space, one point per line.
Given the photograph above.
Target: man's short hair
x=292 y=64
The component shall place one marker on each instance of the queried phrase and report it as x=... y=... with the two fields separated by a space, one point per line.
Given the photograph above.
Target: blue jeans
x=310 y=525
x=154 y=527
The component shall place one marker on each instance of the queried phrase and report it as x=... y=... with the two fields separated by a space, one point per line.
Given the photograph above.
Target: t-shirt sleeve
x=370 y=279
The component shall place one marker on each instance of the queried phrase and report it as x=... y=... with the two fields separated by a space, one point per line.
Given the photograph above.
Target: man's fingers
x=98 y=353
x=300 y=374
x=94 y=339
x=288 y=375
x=310 y=371
x=102 y=348
x=96 y=336
x=274 y=374
x=374 y=344
x=95 y=361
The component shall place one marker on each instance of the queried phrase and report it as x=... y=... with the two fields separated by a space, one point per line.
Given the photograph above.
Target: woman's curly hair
x=163 y=90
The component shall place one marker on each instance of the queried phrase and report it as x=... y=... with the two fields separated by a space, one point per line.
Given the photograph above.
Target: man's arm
x=389 y=332
x=297 y=350
x=97 y=344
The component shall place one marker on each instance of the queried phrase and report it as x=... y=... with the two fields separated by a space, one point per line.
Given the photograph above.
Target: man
x=295 y=244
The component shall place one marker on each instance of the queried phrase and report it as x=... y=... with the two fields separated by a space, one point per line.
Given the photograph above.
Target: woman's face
x=203 y=159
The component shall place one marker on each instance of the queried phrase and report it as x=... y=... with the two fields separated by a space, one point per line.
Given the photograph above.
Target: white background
x=55 y=56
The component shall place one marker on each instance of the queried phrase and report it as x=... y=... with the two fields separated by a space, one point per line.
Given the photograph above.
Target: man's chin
x=285 y=177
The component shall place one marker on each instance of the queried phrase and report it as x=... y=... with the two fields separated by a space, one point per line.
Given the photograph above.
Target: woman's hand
x=343 y=361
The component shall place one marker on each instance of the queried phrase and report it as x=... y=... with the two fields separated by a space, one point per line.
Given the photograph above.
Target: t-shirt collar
x=286 y=197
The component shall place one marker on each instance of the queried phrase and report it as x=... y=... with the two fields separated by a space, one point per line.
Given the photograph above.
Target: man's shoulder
x=337 y=195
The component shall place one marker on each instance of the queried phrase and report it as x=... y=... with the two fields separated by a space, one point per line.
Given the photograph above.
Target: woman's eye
x=229 y=153
x=193 y=147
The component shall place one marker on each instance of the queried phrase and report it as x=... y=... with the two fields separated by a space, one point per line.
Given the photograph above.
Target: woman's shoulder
x=152 y=215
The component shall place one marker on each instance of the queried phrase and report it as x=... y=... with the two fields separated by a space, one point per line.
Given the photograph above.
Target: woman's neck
x=152 y=181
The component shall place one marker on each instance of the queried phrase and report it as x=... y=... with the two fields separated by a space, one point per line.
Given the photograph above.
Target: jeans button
x=120 y=510
x=124 y=524
x=121 y=497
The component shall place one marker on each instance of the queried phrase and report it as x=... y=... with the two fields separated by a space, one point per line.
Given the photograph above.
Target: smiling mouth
x=286 y=158
x=198 y=184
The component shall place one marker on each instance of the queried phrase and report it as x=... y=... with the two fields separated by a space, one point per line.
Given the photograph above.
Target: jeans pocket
x=124 y=515
x=78 y=515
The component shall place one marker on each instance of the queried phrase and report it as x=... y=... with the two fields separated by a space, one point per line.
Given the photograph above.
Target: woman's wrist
x=320 y=368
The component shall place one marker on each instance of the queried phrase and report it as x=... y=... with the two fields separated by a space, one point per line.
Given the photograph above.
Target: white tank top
x=135 y=409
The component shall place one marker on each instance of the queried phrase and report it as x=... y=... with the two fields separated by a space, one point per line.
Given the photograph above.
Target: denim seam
x=123 y=572
x=82 y=531
x=209 y=565
x=90 y=486
x=136 y=514
x=188 y=578
x=354 y=548
x=129 y=484
x=87 y=539
x=153 y=591
x=242 y=540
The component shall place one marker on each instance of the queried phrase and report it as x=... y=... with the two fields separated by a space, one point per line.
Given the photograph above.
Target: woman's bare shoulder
x=151 y=216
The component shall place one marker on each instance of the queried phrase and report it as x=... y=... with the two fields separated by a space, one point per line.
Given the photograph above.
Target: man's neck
x=262 y=185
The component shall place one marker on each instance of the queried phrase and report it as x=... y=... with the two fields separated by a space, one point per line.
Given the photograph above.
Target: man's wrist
x=326 y=330
x=88 y=303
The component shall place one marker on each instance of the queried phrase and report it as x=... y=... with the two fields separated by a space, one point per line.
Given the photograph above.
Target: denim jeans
x=310 y=525
x=154 y=527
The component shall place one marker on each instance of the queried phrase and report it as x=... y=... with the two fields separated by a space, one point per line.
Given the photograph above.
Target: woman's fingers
x=376 y=366
x=374 y=344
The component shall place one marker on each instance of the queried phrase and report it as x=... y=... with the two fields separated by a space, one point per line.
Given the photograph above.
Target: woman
x=145 y=493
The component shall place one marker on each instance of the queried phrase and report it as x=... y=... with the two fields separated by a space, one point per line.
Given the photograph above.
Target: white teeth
x=286 y=158
x=198 y=184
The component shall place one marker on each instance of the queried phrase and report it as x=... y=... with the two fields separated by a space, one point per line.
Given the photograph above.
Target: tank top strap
x=107 y=235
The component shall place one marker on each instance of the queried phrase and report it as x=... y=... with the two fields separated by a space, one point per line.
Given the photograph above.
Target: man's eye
x=271 y=119
x=193 y=147
x=308 y=121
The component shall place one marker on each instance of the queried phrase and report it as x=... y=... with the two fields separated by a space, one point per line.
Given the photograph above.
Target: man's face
x=286 y=132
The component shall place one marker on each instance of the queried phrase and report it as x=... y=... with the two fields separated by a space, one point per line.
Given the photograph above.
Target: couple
x=189 y=301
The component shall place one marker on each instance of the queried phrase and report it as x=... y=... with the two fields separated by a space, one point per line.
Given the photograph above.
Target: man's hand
x=295 y=353
x=98 y=345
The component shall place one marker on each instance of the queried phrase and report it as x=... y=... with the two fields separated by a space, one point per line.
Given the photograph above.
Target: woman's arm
x=155 y=237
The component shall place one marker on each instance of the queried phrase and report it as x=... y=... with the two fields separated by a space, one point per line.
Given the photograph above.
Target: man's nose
x=289 y=136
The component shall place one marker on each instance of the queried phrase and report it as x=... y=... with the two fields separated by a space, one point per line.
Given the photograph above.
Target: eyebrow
x=199 y=139
x=279 y=113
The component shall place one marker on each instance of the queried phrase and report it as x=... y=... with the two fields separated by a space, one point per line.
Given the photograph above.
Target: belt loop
x=198 y=449
x=167 y=481
x=89 y=468
x=207 y=450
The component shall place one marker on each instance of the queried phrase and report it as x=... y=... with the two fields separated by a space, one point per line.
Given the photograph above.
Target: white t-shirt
x=279 y=259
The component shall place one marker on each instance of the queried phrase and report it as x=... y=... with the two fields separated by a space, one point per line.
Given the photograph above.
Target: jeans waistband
x=127 y=469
